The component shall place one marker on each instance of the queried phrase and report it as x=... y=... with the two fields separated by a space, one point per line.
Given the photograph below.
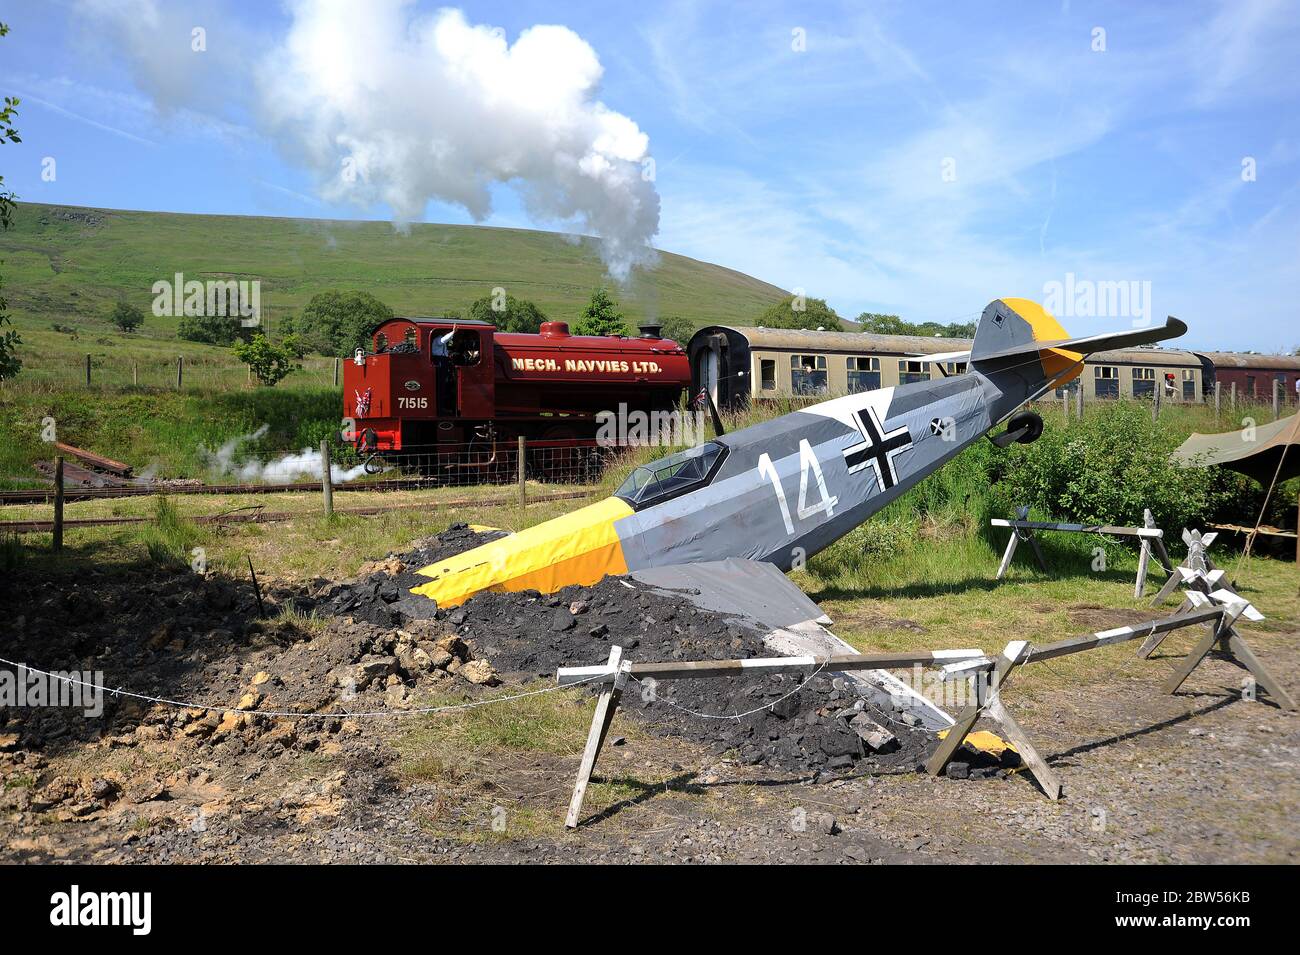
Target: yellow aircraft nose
x=578 y=548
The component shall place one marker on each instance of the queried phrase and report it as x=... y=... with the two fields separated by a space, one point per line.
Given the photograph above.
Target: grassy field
x=67 y=265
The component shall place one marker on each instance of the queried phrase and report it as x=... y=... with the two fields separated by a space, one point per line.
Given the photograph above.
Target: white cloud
x=383 y=104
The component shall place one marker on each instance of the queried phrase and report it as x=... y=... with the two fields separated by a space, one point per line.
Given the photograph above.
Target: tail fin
x=1023 y=350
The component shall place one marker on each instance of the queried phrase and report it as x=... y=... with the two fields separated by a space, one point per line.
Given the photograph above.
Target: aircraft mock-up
x=706 y=520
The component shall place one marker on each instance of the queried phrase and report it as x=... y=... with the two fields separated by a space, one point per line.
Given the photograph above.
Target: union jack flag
x=363 y=403
x=701 y=399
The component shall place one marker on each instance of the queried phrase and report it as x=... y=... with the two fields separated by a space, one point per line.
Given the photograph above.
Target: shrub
x=126 y=317
x=1106 y=469
x=269 y=362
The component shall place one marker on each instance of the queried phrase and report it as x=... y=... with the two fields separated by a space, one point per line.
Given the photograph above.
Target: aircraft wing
x=942 y=356
x=758 y=596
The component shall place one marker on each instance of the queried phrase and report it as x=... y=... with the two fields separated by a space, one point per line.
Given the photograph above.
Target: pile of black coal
x=795 y=722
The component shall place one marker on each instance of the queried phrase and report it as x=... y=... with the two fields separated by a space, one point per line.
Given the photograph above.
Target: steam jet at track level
x=780 y=491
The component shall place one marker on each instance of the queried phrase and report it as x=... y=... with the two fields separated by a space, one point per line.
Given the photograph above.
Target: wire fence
x=97 y=371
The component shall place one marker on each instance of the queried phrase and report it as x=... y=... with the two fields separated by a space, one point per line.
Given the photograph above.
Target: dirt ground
x=1202 y=776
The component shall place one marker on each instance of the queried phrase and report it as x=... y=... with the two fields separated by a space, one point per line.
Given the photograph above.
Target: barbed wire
x=290 y=714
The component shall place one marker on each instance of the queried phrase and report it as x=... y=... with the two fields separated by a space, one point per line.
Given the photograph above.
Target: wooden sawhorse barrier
x=613 y=675
x=1219 y=610
x=1151 y=537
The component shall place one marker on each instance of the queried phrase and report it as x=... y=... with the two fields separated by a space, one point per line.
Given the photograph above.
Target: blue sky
x=917 y=158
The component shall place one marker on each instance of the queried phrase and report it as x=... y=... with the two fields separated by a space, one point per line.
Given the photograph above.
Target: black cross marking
x=878 y=448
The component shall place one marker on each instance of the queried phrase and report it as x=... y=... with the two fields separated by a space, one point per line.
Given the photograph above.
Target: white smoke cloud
x=285 y=469
x=385 y=104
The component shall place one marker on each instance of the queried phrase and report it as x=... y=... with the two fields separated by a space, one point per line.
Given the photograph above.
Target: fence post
x=1078 y=400
x=1155 y=403
x=1277 y=399
x=135 y=373
x=523 y=486
x=336 y=372
x=1065 y=403
x=87 y=371
x=1218 y=399
x=58 y=503
x=326 y=480
x=1233 y=397
x=180 y=371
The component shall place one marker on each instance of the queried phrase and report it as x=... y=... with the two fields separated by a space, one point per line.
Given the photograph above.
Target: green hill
x=67 y=265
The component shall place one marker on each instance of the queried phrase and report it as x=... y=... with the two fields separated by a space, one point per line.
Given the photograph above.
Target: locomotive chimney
x=651 y=328
x=554 y=329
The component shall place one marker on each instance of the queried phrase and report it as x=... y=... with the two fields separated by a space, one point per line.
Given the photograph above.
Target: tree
x=126 y=317
x=270 y=362
x=211 y=329
x=679 y=329
x=507 y=313
x=337 y=323
x=878 y=323
x=796 y=311
x=602 y=316
x=9 y=341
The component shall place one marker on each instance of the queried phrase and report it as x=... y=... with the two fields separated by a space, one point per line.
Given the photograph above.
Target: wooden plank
x=1007 y=555
x=1122 y=634
x=1198 y=652
x=1151 y=532
x=969 y=716
x=600 y=720
x=98 y=460
x=759 y=666
x=762 y=665
x=1263 y=676
x=58 y=503
x=1144 y=556
x=1028 y=754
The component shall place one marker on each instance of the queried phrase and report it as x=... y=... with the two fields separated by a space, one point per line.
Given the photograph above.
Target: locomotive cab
x=418 y=373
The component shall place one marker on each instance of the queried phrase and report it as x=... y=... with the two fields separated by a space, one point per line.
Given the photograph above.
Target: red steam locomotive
x=434 y=383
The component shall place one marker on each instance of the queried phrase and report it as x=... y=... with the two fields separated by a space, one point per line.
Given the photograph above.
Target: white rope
x=375 y=714
x=735 y=716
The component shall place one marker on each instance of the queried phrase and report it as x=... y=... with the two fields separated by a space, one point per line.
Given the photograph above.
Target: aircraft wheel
x=1029 y=419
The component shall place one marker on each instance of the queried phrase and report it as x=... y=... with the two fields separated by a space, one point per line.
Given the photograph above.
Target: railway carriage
x=737 y=364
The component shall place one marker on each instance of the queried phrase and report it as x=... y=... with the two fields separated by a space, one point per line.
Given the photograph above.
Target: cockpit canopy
x=672 y=476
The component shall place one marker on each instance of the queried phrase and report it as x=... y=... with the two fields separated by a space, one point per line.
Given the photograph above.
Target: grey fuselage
x=790 y=487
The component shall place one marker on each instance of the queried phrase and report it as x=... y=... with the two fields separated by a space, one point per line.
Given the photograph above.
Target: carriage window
x=1189 y=384
x=910 y=372
x=808 y=374
x=767 y=373
x=1106 y=383
x=956 y=367
x=671 y=476
x=864 y=374
x=1144 y=382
